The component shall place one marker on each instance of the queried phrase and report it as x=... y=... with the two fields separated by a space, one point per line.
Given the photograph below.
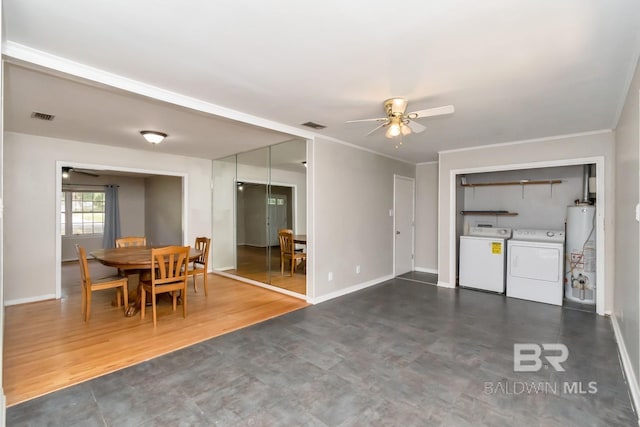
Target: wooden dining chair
x=88 y=285
x=288 y=250
x=200 y=264
x=169 y=275
x=124 y=242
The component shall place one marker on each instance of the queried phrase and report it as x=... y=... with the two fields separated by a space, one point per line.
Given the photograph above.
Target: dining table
x=132 y=261
x=300 y=239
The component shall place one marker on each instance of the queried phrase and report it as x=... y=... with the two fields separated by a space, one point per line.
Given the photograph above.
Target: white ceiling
x=515 y=70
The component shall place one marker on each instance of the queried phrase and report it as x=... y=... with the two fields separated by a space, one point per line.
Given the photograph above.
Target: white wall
x=523 y=155
x=353 y=193
x=627 y=296
x=538 y=206
x=426 y=239
x=30 y=200
x=223 y=227
x=130 y=202
x=162 y=211
x=3 y=410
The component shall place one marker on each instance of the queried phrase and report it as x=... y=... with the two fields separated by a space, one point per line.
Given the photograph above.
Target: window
x=82 y=212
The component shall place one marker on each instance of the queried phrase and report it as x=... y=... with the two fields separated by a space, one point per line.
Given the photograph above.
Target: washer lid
x=502 y=233
x=538 y=235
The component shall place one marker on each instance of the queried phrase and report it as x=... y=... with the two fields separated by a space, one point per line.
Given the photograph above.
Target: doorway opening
x=142 y=196
x=550 y=218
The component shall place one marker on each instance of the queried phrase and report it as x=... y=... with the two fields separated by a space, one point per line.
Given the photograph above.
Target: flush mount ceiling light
x=153 y=136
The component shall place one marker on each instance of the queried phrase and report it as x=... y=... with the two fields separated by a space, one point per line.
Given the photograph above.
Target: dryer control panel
x=491 y=232
x=538 y=235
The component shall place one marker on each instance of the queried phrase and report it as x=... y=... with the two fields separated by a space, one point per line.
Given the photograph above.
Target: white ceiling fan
x=398 y=122
x=66 y=170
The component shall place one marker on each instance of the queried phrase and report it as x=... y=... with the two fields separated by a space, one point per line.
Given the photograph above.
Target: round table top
x=131 y=257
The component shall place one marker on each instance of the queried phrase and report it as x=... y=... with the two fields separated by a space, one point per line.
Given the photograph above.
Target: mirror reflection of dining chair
x=200 y=264
x=88 y=285
x=288 y=251
x=124 y=242
x=170 y=275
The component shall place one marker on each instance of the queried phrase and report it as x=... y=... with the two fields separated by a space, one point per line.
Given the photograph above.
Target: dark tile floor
x=419 y=276
x=397 y=354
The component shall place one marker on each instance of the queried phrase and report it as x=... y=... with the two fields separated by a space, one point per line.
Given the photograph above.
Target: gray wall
x=254 y=215
x=163 y=208
x=627 y=298
x=353 y=193
x=426 y=239
x=526 y=155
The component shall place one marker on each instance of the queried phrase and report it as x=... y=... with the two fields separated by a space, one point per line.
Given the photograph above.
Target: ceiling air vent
x=42 y=116
x=314 y=125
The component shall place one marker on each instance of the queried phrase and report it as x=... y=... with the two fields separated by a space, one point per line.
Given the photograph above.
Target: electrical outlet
x=357 y=269
x=330 y=276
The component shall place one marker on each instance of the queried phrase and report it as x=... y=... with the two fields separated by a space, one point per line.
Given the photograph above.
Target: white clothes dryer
x=535 y=265
x=483 y=258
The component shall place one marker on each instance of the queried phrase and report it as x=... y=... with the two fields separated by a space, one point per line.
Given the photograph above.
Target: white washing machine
x=535 y=265
x=482 y=258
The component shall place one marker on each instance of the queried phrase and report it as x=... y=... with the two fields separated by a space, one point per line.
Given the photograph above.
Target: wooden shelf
x=523 y=182
x=487 y=213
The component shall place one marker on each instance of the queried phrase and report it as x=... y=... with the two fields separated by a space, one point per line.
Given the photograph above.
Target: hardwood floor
x=252 y=264
x=48 y=346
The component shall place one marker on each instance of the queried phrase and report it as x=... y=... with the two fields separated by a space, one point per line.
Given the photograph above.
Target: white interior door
x=403 y=201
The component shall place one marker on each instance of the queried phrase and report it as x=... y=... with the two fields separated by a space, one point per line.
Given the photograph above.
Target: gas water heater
x=580 y=255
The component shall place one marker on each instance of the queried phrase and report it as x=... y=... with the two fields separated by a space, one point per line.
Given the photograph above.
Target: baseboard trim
x=28 y=300
x=426 y=270
x=627 y=366
x=260 y=284
x=350 y=289
x=445 y=284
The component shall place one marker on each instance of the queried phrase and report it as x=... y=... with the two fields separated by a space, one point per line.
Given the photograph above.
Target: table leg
x=134 y=283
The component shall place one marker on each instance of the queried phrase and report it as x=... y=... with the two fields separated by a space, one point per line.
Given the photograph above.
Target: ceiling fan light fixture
x=394 y=128
x=152 y=136
x=405 y=129
x=395 y=106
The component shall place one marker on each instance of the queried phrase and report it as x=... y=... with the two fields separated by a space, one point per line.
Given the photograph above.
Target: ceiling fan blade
x=416 y=127
x=381 y=119
x=430 y=112
x=377 y=127
x=85 y=172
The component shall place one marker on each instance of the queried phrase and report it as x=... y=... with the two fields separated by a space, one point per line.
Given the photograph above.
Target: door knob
x=397 y=232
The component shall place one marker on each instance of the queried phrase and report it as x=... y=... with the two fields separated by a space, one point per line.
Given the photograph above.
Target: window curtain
x=111 y=217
